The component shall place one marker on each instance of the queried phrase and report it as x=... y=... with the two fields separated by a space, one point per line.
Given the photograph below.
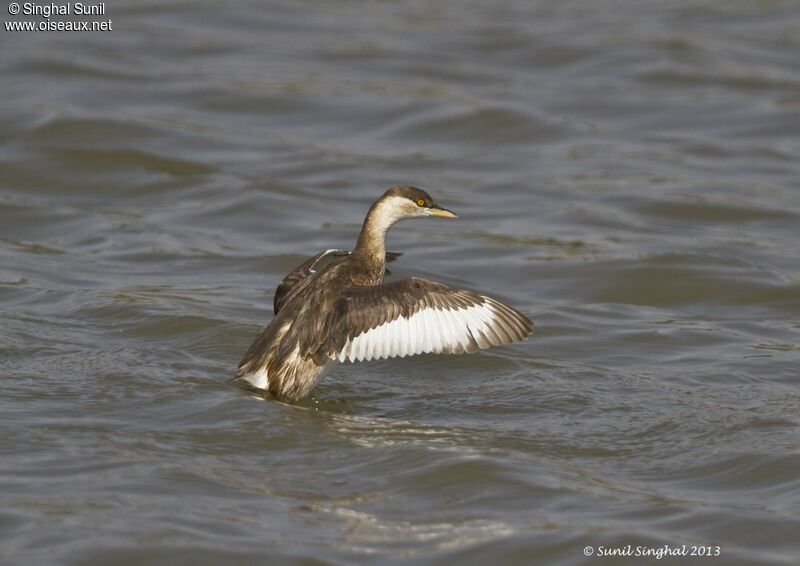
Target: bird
x=335 y=307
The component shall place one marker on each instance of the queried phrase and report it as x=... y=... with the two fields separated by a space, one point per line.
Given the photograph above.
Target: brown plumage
x=308 y=268
x=333 y=307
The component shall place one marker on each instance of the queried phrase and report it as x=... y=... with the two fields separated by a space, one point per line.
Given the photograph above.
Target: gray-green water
x=626 y=172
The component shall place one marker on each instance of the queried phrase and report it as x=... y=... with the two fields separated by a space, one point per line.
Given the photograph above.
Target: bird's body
x=341 y=311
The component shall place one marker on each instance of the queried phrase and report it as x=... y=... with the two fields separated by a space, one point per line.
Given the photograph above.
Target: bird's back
x=282 y=356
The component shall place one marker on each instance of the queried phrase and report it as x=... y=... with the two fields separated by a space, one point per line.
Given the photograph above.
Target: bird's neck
x=371 y=245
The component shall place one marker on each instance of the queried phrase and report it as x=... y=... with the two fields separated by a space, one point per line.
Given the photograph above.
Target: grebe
x=341 y=311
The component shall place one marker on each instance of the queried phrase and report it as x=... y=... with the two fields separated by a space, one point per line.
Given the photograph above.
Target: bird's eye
x=421 y=202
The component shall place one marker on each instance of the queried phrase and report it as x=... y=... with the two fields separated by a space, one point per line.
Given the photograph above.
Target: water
x=625 y=172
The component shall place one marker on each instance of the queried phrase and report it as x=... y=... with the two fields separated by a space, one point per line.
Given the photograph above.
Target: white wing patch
x=429 y=330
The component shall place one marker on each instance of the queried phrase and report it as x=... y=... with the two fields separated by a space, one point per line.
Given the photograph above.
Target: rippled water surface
x=626 y=173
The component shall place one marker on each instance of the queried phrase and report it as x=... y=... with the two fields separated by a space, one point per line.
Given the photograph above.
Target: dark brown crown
x=411 y=193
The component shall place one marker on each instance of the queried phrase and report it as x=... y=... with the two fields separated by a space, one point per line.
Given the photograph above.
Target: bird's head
x=401 y=202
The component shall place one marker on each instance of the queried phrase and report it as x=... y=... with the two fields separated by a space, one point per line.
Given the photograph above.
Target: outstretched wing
x=416 y=316
x=309 y=267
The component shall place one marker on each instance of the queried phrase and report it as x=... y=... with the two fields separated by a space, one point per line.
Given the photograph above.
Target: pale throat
x=372 y=239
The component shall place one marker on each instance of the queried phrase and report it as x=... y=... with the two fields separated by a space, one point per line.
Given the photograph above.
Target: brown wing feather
x=302 y=271
x=361 y=309
x=298 y=274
